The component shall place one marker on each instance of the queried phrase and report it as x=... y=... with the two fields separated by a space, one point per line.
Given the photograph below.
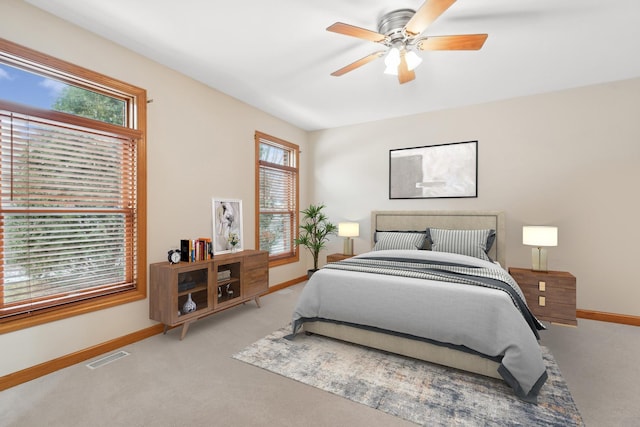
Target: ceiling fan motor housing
x=392 y=24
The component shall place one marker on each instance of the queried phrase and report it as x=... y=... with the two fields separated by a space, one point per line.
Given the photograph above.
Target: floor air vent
x=107 y=359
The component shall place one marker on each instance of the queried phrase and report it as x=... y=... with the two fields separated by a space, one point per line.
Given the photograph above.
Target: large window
x=72 y=196
x=276 y=198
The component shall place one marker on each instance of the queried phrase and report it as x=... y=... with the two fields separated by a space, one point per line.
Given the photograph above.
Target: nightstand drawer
x=552 y=293
x=556 y=313
x=544 y=308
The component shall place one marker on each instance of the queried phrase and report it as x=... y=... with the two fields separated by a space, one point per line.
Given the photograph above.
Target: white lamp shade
x=538 y=235
x=392 y=70
x=413 y=60
x=393 y=57
x=392 y=61
x=348 y=229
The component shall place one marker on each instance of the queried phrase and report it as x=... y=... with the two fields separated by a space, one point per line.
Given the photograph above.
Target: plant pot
x=310 y=273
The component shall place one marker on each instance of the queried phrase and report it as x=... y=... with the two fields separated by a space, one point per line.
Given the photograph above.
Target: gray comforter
x=479 y=316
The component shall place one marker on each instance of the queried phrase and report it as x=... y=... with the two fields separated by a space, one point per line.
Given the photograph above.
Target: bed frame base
x=407 y=347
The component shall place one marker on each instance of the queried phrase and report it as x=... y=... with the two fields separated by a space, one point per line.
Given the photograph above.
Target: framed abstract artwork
x=227 y=225
x=434 y=171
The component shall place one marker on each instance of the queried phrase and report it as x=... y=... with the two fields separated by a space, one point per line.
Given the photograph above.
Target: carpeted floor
x=416 y=391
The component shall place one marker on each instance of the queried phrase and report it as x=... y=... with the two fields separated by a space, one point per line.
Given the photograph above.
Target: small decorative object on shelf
x=189 y=306
x=233 y=241
x=174 y=256
x=224 y=275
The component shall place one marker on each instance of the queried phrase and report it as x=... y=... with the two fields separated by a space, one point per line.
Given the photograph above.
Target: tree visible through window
x=85 y=103
x=276 y=197
x=70 y=200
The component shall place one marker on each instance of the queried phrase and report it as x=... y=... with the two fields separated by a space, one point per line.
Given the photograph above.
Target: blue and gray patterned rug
x=424 y=393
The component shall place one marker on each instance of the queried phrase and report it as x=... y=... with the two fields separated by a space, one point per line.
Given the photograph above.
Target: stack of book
x=192 y=250
x=224 y=275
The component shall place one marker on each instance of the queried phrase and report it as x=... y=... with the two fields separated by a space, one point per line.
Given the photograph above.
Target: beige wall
x=568 y=159
x=200 y=145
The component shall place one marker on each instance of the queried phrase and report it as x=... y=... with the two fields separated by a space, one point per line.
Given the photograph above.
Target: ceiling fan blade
x=428 y=12
x=404 y=74
x=461 y=42
x=359 y=63
x=353 y=31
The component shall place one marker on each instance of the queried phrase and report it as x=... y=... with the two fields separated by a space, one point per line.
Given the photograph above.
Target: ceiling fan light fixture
x=393 y=57
x=413 y=60
x=392 y=60
x=392 y=71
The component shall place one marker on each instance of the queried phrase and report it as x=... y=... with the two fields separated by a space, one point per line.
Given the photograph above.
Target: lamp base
x=348 y=246
x=539 y=259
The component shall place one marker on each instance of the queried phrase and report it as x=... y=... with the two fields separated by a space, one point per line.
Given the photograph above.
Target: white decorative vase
x=189 y=306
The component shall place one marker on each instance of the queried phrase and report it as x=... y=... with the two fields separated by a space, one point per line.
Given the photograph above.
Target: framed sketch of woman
x=227 y=225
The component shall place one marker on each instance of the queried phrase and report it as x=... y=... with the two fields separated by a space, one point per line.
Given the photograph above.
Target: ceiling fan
x=400 y=31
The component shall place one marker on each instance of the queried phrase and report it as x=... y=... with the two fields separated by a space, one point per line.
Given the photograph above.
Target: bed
x=433 y=287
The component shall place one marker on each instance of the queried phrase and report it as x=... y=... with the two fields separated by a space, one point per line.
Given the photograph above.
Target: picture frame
x=434 y=171
x=227 y=221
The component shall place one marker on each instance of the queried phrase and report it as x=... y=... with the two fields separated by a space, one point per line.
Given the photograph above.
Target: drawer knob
x=542 y=301
x=542 y=286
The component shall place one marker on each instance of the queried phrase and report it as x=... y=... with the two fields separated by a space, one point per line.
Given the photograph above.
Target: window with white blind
x=277 y=198
x=72 y=229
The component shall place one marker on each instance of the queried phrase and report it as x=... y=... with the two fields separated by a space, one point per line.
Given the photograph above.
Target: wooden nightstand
x=337 y=257
x=550 y=295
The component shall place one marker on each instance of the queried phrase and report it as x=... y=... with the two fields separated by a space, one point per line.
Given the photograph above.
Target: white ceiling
x=277 y=56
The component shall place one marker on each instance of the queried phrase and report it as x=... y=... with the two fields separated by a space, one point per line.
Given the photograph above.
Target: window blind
x=277 y=199
x=68 y=201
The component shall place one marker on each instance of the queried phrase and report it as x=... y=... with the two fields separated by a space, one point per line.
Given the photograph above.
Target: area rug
x=424 y=393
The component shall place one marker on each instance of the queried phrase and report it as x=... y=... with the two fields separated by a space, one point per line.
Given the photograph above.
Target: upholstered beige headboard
x=454 y=220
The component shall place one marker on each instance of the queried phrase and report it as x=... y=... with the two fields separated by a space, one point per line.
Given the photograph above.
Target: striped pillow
x=475 y=243
x=398 y=240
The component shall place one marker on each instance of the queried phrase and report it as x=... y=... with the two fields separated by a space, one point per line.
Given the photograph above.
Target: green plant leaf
x=315 y=230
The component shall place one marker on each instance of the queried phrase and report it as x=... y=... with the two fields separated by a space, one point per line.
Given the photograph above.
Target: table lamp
x=348 y=230
x=540 y=237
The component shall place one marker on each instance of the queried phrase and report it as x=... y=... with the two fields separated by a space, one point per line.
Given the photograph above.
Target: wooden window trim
x=137 y=119
x=276 y=260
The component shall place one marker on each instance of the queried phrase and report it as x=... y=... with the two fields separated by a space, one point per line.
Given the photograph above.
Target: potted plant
x=315 y=230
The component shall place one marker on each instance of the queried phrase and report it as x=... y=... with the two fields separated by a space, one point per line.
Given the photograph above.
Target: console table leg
x=185 y=328
x=257 y=299
x=166 y=328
